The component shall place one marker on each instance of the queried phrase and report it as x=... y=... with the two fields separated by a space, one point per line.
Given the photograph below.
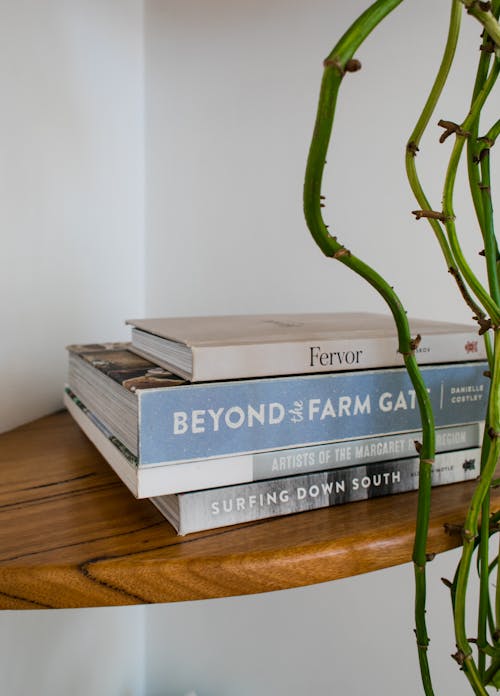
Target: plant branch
x=482 y=12
x=335 y=68
x=470 y=529
x=484 y=298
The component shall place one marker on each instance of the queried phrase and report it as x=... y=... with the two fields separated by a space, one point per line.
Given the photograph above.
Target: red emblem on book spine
x=471 y=347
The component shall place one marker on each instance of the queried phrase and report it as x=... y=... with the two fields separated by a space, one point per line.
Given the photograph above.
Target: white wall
x=91 y=652
x=231 y=92
x=71 y=270
x=351 y=636
x=71 y=189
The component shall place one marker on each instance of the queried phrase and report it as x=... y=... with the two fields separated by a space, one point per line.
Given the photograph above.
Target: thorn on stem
x=415 y=342
x=418 y=446
x=459 y=657
x=430 y=557
x=341 y=252
x=447 y=582
x=352 y=65
x=487 y=47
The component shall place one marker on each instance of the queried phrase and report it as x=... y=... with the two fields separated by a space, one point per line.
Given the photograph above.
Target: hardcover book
x=155 y=480
x=162 y=419
x=193 y=512
x=234 y=347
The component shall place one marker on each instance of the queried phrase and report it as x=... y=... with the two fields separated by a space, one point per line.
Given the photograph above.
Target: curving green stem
x=472 y=169
x=339 y=62
x=448 y=213
x=490 y=246
x=470 y=529
x=484 y=605
x=412 y=149
x=423 y=121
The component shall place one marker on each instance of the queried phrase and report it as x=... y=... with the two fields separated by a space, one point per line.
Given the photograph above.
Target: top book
x=236 y=347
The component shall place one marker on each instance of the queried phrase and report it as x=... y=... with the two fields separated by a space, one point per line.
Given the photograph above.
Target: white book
x=160 y=479
x=243 y=346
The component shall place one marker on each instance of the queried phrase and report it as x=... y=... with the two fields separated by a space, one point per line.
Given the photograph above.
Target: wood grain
x=71 y=534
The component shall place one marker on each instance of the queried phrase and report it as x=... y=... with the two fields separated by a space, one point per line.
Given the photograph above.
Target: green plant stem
x=470 y=531
x=484 y=571
x=490 y=246
x=412 y=149
x=423 y=121
x=481 y=75
x=448 y=213
x=336 y=65
x=472 y=168
x=486 y=18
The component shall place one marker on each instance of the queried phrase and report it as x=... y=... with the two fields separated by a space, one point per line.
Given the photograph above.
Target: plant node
x=487 y=47
x=412 y=148
x=415 y=342
x=450 y=128
x=467 y=535
x=432 y=214
x=477 y=159
x=484 y=324
x=493 y=434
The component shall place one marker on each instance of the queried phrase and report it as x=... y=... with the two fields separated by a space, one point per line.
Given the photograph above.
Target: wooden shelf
x=71 y=535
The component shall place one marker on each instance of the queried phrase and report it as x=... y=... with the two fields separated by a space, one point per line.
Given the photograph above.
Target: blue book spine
x=199 y=421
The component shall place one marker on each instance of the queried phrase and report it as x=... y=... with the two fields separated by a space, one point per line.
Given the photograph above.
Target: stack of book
x=221 y=420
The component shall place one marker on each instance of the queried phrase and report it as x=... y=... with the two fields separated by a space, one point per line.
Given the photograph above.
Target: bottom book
x=218 y=507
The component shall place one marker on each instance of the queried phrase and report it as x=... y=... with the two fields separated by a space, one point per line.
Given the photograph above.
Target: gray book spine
x=219 y=507
x=302 y=460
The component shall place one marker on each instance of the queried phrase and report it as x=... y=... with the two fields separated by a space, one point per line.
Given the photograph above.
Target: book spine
x=308 y=357
x=364 y=451
x=244 y=503
x=200 y=421
x=157 y=480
